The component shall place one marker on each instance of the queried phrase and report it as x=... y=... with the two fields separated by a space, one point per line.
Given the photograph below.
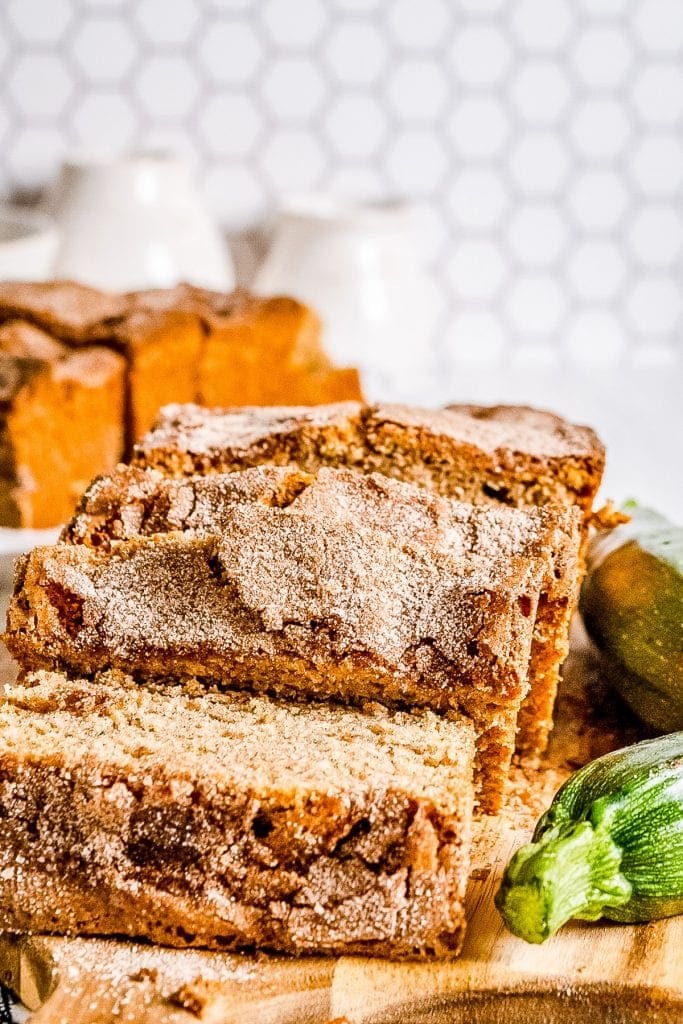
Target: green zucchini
x=610 y=845
x=632 y=607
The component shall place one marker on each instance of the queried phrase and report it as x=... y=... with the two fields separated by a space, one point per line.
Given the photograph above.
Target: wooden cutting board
x=584 y=975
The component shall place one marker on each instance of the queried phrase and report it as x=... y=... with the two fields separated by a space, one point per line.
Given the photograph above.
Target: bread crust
x=231 y=822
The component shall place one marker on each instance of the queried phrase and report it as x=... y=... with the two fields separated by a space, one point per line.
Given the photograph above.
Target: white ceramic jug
x=358 y=267
x=136 y=222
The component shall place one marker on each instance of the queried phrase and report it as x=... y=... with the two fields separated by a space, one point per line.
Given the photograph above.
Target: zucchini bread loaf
x=342 y=586
x=231 y=821
x=102 y=366
x=504 y=455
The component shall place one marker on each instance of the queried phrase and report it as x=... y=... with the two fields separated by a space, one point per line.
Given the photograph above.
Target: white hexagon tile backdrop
x=539 y=140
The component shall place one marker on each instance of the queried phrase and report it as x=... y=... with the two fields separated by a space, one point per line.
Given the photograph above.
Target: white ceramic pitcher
x=358 y=267
x=136 y=222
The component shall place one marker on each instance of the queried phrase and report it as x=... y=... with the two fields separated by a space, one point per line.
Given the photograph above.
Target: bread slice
x=506 y=455
x=197 y=819
x=510 y=455
x=340 y=586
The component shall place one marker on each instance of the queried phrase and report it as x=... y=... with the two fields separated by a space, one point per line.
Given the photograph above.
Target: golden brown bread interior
x=231 y=821
x=264 y=349
x=61 y=421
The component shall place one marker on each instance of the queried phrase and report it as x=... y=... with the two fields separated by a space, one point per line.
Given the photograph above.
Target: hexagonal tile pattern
x=416 y=162
x=104 y=49
x=479 y=127
x=418 y=26
x=539 y=163
x=658 y=94
x=355 y=127
x=432 y=235
x=541 y=25
x=478 y=199
x=39 y=22
x=659 y=25
x=655 y=236
x=600 y=129
x=481 y=54
x=477 y=270
x=537 y=235
x=292 y=161
x=477 y=338
x=657 y=165
x=294 y=90
x=653 y=352
x=417 y=90
x=40 y=85
x=230 y=51
x=289 y=26
x=230 y=124
x=598 y=200
x=106 y=121
x=654 y=305
x=595 y=338
x=167 y=87
x=539 y=142
x=540 y=92
x=597 y=270
x=356 y=53
x=356 y=181
x=605 y=8
x=602 y=56
x=164 y=22
x=536 y=305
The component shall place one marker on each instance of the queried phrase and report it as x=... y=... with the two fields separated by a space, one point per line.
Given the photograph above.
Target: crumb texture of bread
x=510 y=455
x=194 y=818
x=61 y=421
x=342 y=586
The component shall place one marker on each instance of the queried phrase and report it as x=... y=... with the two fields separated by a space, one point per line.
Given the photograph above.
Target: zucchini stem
x=572 y=871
